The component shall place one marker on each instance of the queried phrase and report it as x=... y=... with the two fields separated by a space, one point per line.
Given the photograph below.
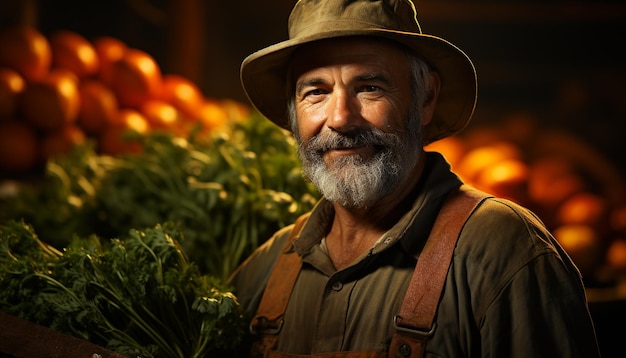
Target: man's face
x=353 y=104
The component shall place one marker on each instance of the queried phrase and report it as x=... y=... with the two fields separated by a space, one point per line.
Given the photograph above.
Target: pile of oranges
x=61 y=89
x=572 y=187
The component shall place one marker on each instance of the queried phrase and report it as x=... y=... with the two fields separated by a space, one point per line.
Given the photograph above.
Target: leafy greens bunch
x=138 y=294
x=227 y=195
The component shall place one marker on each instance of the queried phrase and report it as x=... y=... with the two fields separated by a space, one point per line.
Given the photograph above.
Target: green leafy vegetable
x=138 y=295
x=75 y=254
x=227 y=195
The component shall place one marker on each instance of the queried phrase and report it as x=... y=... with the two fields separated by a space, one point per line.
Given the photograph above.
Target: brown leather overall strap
x=414 y=323
x=269 y=317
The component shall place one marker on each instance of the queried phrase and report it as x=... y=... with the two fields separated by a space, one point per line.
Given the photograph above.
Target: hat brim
x=264 y=78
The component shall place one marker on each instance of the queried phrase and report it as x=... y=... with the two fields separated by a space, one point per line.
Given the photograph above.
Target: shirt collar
x=413 y=227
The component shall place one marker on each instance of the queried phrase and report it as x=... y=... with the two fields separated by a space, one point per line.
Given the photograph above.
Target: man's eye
x=314 y=92
x=370 y=88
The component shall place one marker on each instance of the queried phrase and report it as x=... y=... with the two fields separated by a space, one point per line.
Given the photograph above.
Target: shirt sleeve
x=528 y=298
x=540 y=313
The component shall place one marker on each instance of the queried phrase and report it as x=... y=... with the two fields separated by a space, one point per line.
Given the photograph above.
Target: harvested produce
x=61 y=79
x=132 y=252
x=227 y=194
x=573 y=188
x=138 y=294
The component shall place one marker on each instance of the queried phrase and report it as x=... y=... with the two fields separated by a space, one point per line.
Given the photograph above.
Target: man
x=363 y=91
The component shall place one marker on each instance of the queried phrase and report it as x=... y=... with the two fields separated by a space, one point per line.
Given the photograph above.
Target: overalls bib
x=414 y=323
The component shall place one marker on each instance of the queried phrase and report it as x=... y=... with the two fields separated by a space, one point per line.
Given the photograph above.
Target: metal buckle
x=413 y=331
x=262 y=325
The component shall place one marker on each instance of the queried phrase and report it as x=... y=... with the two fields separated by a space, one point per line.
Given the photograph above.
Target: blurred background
x=559 y=59
x=552 y=77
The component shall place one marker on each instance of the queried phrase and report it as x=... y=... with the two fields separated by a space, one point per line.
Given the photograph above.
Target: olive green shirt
x=511 y=290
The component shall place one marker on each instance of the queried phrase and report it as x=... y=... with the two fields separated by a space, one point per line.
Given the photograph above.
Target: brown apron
x=414 y=323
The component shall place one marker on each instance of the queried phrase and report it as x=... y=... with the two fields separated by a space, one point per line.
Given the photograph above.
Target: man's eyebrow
x=301 y=85
x=373 y=77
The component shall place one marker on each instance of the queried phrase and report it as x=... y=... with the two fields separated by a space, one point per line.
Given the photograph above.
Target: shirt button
x=337 y=286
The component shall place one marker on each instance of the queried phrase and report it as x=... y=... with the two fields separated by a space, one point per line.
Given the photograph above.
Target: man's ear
x=431 y=100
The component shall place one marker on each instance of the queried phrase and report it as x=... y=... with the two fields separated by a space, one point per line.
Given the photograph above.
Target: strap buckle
x=412 y=330
x=262 y=325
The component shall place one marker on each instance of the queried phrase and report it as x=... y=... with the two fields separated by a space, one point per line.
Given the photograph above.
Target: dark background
x=561 y=61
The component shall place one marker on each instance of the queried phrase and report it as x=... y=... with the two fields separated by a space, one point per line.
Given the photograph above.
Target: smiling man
x=351 y=111
x=399 y=257
x=357 y=126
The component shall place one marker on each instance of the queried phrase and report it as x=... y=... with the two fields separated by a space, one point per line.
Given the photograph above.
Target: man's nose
x=343 y=112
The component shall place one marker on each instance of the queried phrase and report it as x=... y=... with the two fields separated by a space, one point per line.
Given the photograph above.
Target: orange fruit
x=113 y=141
x=583 y=208
x=479 y=158
x=452 y=148
x=135 y=78
x=73 y=52
x=213 y=115
x=507 y=178
x=61 y=141
x=583 y=245
x=162 y=115
x=98 y=106
x=552 y=180
x=616 y=254
x=25 y=50
x=109 y=50
x=131 y=119
x=236 y=110
x=51 y=102
x=183 y=94
x=19 y=147
x=11 y=85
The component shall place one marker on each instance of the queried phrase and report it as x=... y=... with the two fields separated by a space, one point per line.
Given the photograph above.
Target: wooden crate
x=20 y=338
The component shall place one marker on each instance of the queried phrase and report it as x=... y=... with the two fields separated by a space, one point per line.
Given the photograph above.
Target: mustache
x=326 y=141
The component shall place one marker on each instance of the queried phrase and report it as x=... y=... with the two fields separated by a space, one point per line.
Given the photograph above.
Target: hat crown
x=313 y=17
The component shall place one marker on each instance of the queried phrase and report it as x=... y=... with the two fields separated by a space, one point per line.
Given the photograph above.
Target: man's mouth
x=346 y=147
x=364 y=151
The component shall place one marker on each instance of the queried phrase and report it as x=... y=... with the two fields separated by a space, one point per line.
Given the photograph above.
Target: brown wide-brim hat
x=264 y=74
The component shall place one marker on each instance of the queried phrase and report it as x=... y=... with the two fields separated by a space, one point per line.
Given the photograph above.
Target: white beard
x=356 y=182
